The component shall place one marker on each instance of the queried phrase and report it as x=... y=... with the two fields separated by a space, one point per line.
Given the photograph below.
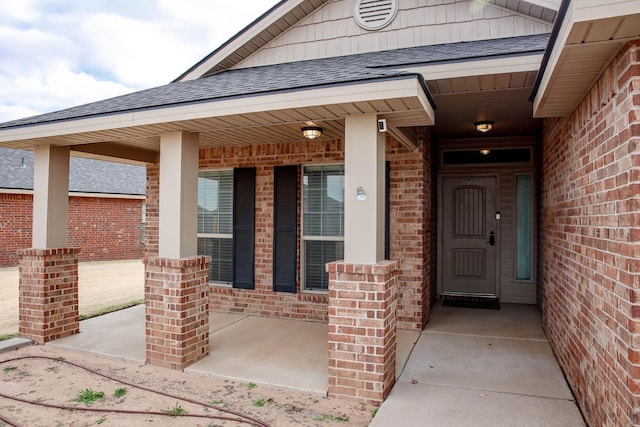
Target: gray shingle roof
x=294 y=76
x=85 y=175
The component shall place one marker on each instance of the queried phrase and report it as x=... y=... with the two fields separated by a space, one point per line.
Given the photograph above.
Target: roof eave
x=381 y=88
x=585 y=40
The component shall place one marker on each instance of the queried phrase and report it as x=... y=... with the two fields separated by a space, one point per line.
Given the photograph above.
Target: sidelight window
x=524 y=228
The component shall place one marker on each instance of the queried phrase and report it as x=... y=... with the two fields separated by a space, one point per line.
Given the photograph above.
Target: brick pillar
x=177 y=310
x=48 y=293
x=362 y=329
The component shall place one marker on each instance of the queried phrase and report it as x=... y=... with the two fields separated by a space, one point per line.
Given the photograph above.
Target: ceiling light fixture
x=312 y=132
x=485 y=151
x=484 y=125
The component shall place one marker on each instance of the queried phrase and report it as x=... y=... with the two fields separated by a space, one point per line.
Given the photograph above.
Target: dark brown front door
x=469 y=240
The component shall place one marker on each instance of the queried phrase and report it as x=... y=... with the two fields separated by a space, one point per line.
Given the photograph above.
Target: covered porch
x=284 y=353
x=261 y=143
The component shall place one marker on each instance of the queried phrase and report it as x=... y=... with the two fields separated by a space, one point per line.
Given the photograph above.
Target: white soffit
x=480 y=67
x=592 y=33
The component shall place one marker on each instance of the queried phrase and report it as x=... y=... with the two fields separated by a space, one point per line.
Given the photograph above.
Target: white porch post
x=50 y=197
x=48 y=281
x=363 y=287
x=178 y=195
x=177 y=281
x=364 y=169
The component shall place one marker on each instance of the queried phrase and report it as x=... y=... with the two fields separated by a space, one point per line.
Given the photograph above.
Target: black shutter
x=285 y=236
x=387 y=209
x=244 y=207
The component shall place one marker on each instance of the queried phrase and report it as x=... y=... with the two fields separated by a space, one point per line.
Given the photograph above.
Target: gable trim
x=248 y=37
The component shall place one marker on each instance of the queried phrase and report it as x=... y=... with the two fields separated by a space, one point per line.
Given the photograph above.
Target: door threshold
x=471 y=301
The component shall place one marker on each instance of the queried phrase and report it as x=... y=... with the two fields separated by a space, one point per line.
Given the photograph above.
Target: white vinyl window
x=322 y=222
x=215 y=222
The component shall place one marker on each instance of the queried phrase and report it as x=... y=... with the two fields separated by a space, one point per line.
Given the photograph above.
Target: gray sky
x=56 y=54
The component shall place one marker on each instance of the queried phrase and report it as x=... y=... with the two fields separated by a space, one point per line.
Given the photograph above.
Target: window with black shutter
x=285 y=221
x=244 y=208
x=226 y=217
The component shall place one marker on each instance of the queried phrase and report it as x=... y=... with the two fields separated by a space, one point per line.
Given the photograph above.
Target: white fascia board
x=236 y=44
x=339 y=94
x=481 y=67
x=554 y=57
x=407 y=87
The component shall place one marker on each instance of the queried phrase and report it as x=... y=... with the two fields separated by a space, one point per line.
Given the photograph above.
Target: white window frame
x=218 y=235
x=303 y=238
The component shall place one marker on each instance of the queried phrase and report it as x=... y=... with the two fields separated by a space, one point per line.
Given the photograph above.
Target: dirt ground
x=100 y=285
x=54 y=382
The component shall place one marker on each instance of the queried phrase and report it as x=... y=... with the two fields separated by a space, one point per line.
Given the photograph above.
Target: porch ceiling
x=502 y=98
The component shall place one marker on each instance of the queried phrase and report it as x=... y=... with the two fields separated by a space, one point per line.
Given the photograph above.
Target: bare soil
x=54 y=382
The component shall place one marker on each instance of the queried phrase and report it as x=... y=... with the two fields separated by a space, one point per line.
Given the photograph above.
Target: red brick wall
x=104 y=228
x=16 y=220
x=409 y=192
x=590 y=255
x=153 y=208
x=48 y=294
x=412 y=230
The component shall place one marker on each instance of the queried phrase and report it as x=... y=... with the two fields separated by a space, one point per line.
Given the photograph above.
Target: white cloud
x=21 y=11
x=60 y=53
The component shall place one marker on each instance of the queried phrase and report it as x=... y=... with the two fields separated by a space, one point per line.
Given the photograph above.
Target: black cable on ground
x=8 y=422
x=241 y=417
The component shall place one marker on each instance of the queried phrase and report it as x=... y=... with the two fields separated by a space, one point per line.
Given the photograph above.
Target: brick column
x=362 y=329
x=177 y=310
x=48 y=293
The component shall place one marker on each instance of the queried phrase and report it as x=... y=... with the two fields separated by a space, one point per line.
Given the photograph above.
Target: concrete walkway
x=100 y=285
x=474 y=367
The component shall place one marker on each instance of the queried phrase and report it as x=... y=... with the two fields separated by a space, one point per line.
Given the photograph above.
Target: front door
x=469 y=236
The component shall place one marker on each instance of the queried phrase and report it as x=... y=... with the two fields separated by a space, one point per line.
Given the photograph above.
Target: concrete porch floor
x=280 y=352
x=475 y=367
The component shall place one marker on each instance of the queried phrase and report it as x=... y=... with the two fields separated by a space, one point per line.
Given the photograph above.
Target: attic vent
x=375 y=14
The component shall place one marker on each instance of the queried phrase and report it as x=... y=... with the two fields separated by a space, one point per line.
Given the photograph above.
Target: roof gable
x=298 y=30
x=265 y=28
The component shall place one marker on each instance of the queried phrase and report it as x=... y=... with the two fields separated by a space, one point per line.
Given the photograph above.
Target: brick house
x=350 y=161
x=106 y=206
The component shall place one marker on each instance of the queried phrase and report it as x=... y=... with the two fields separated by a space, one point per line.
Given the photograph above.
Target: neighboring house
x=399 y=199
x=106 y=205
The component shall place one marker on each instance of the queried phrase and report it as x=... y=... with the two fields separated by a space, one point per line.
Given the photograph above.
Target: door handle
x=492 y=238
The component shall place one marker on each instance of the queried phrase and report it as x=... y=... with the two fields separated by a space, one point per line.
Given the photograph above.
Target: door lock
x=492 y=238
